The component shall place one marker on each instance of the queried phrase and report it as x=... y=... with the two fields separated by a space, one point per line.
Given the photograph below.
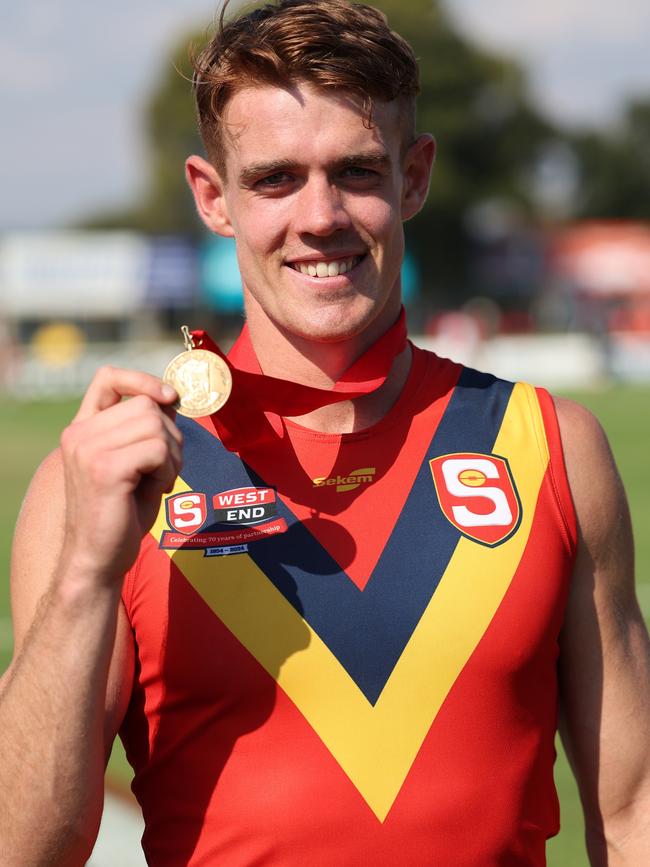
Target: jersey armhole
x=557 y=468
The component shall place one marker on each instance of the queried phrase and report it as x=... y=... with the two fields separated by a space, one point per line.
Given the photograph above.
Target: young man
x=337 y=640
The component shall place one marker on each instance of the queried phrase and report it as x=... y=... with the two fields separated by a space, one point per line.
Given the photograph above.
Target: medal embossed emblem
x=201 y=378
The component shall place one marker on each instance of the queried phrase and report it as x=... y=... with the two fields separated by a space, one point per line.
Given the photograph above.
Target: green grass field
x=28 y=431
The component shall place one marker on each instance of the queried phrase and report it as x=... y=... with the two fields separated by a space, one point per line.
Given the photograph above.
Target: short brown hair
x=330 y=44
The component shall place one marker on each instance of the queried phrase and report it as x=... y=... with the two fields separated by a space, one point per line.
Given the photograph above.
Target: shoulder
x=591 y=468
x=597 y=491
x=48 y=478
x=577 y=423
x=43 y=507
x=44 y=503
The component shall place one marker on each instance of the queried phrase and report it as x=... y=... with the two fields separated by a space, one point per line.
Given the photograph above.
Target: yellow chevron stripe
x=376 y=746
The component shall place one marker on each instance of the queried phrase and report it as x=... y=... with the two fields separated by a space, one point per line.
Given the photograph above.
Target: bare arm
x=63 y=698
x=605 y=656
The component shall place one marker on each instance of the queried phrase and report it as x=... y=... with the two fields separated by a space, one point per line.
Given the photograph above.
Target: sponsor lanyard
x=253 y=413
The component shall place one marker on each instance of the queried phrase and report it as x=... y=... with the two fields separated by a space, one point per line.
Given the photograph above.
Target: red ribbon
x=253 y=412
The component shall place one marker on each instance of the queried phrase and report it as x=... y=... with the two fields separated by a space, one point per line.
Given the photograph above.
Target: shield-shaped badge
x=187 y=512
x=478 y=495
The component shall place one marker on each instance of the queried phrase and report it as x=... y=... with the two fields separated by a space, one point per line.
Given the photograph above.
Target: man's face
x=315 y=201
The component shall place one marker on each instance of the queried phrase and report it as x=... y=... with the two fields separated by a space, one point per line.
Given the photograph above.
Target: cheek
x=389 y=232
x=379 y=220
x=261 y=230
x=253 y=244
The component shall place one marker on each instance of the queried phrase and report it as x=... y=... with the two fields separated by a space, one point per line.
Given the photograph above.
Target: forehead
x=302 y=123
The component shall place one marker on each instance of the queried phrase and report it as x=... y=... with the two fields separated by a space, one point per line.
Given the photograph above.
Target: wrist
x=80 y=578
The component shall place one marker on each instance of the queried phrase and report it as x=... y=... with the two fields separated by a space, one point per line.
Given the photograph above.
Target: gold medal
x=201 y=378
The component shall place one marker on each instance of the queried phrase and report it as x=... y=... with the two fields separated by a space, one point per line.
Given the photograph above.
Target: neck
x=350 y=416
x=302 y=360
x=321 y=364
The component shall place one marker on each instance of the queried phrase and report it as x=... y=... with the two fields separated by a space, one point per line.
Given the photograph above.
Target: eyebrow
x=252 y=172
x=372 y=159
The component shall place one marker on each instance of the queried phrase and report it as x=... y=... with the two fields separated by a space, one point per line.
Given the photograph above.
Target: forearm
x=622 y=840
x=621 y=837
x=615 y=770
x=52 y=728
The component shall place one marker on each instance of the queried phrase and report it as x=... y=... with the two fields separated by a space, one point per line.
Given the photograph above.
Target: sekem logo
x=347 y=483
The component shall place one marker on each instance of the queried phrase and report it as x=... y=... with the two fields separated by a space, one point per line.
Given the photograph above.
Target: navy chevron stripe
x=366 y=630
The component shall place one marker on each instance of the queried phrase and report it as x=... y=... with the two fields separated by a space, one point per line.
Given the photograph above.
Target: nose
x=320 y=208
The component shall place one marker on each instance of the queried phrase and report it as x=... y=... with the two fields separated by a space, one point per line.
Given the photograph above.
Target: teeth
x=327 y=269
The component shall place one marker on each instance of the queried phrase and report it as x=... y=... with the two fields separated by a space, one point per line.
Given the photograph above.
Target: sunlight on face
x=314 y=201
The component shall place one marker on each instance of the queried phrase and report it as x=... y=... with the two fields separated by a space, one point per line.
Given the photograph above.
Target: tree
x=488 y=135
x=171 y=134
x=615 y=168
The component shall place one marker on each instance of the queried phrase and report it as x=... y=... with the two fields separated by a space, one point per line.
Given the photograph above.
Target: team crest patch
x=478 y=495
x=238 y=516
x=187 y=512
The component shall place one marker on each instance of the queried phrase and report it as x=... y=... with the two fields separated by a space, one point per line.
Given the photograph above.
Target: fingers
x=111 y=384
x=158 y=480
x=128 y=421
x=150 y=459
x=99 y=472
x=151 y=488
x=126 y=452
x=135 y=420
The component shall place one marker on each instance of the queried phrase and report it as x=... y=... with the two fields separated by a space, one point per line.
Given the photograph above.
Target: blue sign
x=410 y=279
x=220 y=280
x=171 y=274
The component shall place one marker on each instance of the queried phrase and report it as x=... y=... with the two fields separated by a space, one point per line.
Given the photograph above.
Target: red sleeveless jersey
x=347 y=647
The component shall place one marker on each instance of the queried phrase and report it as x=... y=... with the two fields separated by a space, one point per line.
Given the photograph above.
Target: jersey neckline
x=419 y=375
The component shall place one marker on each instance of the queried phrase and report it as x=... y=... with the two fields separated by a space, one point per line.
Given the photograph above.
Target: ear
x=418 y=162
x=208 y=190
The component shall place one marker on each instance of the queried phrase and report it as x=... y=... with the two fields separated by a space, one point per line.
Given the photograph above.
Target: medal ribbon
x=253 y=412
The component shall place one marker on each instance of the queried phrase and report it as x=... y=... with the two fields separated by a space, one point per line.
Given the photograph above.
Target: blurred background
x=531 y=259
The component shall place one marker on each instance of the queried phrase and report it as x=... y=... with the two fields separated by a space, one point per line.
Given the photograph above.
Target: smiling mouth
x=321 y=268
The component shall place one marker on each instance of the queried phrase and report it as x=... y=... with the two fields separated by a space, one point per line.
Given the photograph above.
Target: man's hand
x=119 y=457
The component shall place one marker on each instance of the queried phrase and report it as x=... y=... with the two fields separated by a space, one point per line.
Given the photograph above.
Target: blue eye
x=275 y=180
x=358 y=172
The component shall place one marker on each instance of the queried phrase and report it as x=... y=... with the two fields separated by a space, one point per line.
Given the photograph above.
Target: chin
x=332 y=325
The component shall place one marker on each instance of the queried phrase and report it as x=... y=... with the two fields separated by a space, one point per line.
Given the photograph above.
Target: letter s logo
x=477 y=495
x=467 y=478
x=187 y=512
